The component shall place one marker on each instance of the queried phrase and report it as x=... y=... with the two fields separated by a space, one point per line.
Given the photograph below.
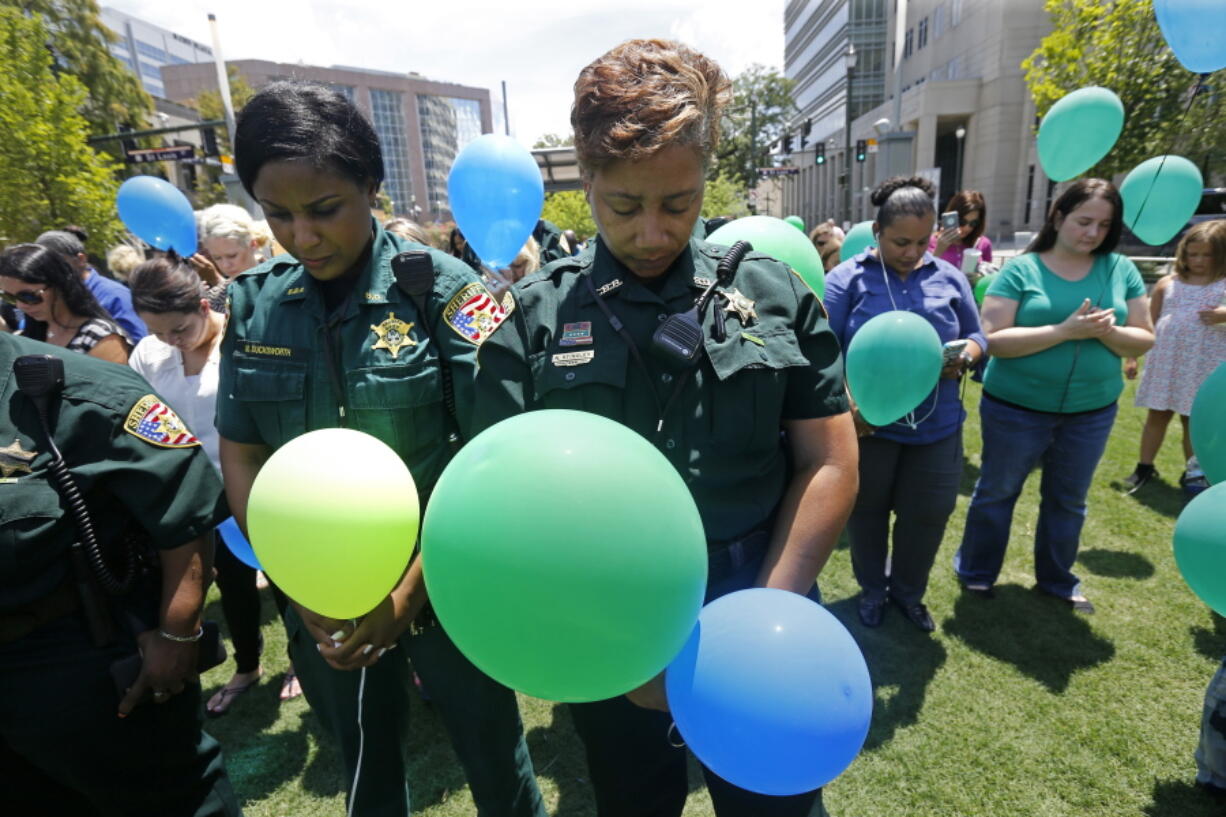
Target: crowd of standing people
x=266 y=333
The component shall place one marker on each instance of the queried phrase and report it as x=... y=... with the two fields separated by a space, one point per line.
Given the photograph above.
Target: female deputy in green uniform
x=87 y=724
x=646 y=118
x=358 y=328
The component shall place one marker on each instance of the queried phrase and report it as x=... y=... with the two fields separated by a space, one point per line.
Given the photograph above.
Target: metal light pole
x=961 y=134
x=849 y=59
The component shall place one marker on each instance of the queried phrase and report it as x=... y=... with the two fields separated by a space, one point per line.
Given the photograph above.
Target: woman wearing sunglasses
x=949 y=245
x=63 y=312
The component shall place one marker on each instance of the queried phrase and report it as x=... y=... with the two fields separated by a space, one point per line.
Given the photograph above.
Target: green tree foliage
x=552 y=140
x=75 y=34
x=568 y=209
x=761 y=109
x=1118 y=45
x=725 y=196
x=49 y=175
x=209 y=189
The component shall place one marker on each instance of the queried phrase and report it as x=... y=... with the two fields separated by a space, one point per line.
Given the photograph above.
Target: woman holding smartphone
x=910 y=468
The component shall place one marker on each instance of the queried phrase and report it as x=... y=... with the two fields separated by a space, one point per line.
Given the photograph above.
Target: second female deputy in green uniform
x=646 y=119
x=358 y=328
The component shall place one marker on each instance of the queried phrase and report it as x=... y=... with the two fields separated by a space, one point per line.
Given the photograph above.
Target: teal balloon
x=1193 y=29
x=1078 y=131
x=858 y=239
x=1200 y=547
x=1160 y=195
x=564 y=555
x=778 y=239
x=893 y=363
x=797 y=222
x=1207 y=425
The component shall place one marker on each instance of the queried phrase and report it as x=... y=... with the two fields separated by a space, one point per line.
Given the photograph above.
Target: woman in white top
x=180 y=357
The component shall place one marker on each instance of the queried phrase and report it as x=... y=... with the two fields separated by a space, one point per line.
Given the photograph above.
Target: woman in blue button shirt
x=911 y=467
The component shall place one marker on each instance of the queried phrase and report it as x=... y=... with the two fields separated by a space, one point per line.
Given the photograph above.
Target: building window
x=150 y=51
x=938 y=21
x=906 y=43
x=346 y=91
x=387 y=109
x=923 y=34
x=447 y=125
x=954 y=69
x=955 y=12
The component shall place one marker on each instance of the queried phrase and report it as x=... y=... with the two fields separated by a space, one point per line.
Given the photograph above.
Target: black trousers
x=636 y=769
x=918 y=484
x=63 y=749
x=240 y=604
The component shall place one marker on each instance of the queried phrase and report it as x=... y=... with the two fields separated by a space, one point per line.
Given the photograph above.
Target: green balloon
x=797 y=222
x=564 y=556
x=981 y=288
x=1078 y=131
x=1200 y=547
x=778 y=239
x=1170 y=188
x=333 y=517
x=858 y=239
x=893 y=363
x=1207 y=425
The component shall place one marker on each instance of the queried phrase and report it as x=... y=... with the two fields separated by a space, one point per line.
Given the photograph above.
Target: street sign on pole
x=778 y=171
x=174 y=152
x=872 y=145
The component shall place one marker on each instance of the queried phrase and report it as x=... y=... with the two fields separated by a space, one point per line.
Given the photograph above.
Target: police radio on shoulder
x=678 y=339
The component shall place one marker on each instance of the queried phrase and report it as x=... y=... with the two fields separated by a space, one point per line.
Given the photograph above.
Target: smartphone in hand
x=949 y=221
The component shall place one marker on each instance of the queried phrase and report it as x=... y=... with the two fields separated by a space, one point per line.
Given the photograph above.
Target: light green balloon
x=1078 y=131
x=1170 y=188
x=1200 y=547
x=1207 y=423
x=778 y=239
x=893 y=364
x=333 y=516
x=858 y=239
x=796 y=221
x=981 y=288
x=564 y=555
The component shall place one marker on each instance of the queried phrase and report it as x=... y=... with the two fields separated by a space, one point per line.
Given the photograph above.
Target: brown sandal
x=228 y=694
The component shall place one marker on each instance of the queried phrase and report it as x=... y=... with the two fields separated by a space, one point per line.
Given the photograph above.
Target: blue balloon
x=238 y=544
x=158 y=213
x=1193 y=29
x=496 y=196
x=771 y=692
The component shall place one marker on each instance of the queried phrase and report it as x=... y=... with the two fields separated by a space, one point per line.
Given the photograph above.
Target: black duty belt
x=726 y=558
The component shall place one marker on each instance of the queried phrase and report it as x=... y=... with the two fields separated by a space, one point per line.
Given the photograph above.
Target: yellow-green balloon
x=778 y=239
x=333 y=517
x=858 y=239
x=981 y=288
x=564 y=555
x=893 y=363
x=796 y=221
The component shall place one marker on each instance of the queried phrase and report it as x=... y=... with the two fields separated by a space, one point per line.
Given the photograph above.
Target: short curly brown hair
x=643 y=96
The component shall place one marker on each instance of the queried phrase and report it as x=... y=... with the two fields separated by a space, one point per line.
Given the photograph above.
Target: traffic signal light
x=861 y=150
x=208 y=138
x=819 y=153
x=805 y=129
x=787 y=143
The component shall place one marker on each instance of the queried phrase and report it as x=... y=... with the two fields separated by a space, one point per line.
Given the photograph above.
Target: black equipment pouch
x=414 y=271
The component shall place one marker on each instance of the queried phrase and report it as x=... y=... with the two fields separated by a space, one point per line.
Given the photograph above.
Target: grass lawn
x=1016 y=706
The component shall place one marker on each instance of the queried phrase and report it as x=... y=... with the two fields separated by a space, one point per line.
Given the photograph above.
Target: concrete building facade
x=145 y=48
x=960 y=70
x=422 y=124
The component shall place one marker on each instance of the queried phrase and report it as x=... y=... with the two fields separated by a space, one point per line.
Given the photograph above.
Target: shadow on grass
x=557 y=755
x=1159 y=496
x=1210 y=643
x=1116 y=564
x=902 y=661
x=1176 y=798
x=970 y=475
x=1040 y=636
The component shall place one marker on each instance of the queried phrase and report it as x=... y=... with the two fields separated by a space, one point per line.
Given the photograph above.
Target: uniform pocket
x=401 y=405
x=581 y=379
x=751 y=370
x=29 y=512
x=274 y=394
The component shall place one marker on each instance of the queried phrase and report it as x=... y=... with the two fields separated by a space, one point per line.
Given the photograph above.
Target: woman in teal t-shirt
x=1059 y=318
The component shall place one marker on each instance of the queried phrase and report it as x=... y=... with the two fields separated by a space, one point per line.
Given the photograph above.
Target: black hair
x=36 y=264
x=306 y=120
x=903 y=196
x=1078 y=193
x=163 y=285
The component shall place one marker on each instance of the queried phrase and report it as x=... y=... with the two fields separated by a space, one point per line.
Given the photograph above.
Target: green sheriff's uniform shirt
x=137 y=467
x=287 y=367
x=779 y=361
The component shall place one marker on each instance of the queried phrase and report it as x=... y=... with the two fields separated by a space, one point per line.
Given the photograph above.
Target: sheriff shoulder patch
x=474 y=314
x=155 y=422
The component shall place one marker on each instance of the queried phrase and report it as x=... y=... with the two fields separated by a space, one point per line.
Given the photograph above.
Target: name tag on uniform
x=576 y=334
x=254 y=348
x=573 y=358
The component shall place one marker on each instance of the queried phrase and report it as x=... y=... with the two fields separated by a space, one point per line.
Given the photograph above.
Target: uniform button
x=570 y=375
x=662 y=317
x=667 y=378
x=670 y=444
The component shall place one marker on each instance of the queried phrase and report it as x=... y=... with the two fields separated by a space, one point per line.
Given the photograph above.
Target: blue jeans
x=1015 y=440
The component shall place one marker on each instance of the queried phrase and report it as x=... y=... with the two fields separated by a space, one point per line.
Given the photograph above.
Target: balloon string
x=1196 y=90
x=357 y=770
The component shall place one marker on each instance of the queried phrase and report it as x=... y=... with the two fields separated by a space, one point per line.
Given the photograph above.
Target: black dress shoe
x=983 y=591
x=917 y=614
x=871 y=611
